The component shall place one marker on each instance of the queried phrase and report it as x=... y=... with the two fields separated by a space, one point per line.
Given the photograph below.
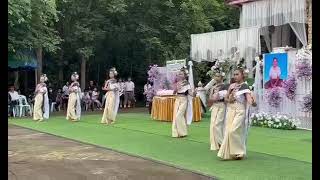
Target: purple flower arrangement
x=150 y=94
x=274 y=97
x=290 y=86
x=304 y=70
x=153 y=73
x=307 y=103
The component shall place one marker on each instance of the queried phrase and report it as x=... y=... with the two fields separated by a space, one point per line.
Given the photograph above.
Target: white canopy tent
x=264 y=13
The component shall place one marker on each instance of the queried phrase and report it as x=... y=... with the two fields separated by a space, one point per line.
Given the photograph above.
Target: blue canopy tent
x=21 y=62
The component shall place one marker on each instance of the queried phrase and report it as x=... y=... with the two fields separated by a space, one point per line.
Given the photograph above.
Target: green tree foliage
x=31 y=25
x=128 y=34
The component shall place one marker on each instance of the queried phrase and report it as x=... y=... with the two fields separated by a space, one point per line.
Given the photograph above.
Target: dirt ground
x=38 y=156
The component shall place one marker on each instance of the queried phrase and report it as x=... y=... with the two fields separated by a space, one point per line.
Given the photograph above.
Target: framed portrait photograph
x=275 y=69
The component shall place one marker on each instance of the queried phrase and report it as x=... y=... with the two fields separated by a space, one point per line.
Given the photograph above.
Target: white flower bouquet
x=277 y=121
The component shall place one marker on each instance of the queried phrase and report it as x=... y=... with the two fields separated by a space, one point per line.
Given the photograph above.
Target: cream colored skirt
x=108 y=113
x=234 y=139
x=179 y=123
x=217 y=125
x=38 y=104
x=71 y=110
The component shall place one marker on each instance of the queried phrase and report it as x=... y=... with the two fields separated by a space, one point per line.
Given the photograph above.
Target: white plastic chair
x=23 y=103
x=53 y=107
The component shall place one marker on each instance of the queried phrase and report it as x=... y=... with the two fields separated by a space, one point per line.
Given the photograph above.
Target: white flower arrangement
x=277 y=121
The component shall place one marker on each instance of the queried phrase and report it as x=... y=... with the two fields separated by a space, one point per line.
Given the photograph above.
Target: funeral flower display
x=307 y=103
x=277 y=121
x=303 y=65
x=304 y=70
x=153 y=73
x=290 y=86
x=273 y=97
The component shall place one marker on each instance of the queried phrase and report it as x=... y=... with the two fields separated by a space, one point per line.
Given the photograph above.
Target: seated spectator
x=14 y=99
x=59 y=98
x=95 y=98
x=65 y=95
x=51 y=96
x=86 y=100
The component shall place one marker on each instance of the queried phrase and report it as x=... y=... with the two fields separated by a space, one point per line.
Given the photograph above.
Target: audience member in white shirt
x=129 y=93
x=122 y=86
x=14 y=99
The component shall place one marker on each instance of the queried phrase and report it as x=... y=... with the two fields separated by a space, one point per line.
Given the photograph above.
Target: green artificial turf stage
x=272 y=154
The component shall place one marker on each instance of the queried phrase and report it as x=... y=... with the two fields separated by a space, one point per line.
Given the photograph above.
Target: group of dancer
x=41 y=105
x=229 y=112
x=229 y=108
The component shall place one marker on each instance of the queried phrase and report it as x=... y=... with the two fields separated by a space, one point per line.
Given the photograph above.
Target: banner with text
x=175 y=65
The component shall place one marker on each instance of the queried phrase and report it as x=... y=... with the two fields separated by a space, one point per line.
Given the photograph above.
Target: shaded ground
x=38 y=156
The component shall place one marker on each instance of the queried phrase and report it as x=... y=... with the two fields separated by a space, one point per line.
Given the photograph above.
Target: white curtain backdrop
x=272 y=12
x=249 y=45
x=264 y=31
x=213 y=45
x=300 y=30
x=222 y=44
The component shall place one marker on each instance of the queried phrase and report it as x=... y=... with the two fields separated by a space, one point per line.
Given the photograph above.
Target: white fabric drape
x=222 y=44
x=272 y=12
x=190 y=98
x=210 y=46
x=249 y=45
x=264 y=31
x=300 y=30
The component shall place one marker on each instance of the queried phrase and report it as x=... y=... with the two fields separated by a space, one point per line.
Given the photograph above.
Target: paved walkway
x=39 y=156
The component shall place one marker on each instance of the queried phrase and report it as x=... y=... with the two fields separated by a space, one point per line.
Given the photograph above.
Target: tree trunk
x=16 y=79
x=39 y=61
x=83 y=72
x=60 y=74
x=26 y=82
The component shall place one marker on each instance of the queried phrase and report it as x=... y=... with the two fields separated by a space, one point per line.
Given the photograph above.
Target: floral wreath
x=220 y=67
x=185 y=70
x=114 y=71
x=44 y=78
x=242 y=66
x=75 y=75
